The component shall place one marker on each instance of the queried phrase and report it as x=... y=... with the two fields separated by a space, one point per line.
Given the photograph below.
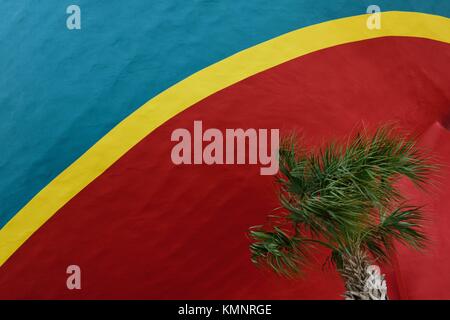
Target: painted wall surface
x=145 y=228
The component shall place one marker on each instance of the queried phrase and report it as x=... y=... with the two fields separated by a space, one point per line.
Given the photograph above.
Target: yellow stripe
x=195 y=88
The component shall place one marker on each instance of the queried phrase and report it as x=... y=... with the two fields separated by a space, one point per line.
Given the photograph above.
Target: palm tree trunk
x=363 y=281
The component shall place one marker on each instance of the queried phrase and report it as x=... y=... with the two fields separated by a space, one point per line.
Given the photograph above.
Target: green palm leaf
x=341 y=197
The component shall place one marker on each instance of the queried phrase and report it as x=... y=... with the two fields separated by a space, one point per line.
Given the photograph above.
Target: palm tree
x=344 y=197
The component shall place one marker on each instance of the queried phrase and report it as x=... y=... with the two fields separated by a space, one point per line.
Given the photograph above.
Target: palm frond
x=275 y=249
x=342 y=194
x=404 y=224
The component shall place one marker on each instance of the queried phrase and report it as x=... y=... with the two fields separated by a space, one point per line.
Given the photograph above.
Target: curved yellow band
x=195 y=88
